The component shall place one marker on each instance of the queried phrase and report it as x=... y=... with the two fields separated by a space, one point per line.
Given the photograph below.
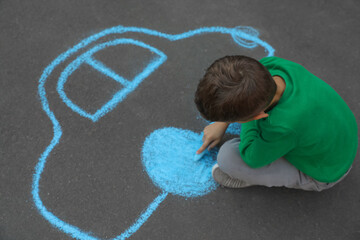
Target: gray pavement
x=93 y=178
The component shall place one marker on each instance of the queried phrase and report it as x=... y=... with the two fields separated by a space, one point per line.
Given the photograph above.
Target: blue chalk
x=167 y=157
x=197 y=157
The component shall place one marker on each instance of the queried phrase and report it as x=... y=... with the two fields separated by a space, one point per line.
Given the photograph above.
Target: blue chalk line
x=129 y=86
x=243 y=36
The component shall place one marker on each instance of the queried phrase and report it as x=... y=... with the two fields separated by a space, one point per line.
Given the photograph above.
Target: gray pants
x=279 y=173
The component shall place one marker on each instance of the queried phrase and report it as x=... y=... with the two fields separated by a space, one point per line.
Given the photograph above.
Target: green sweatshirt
x=311 y=126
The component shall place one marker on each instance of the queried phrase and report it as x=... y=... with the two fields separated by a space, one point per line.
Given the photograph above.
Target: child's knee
x=229 y=155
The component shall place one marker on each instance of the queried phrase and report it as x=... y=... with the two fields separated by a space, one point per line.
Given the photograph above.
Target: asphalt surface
x=93 y=178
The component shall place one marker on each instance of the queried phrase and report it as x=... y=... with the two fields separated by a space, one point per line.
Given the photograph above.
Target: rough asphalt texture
x=94 y=178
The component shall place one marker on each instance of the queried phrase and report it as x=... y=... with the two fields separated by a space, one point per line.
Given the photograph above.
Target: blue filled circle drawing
x=168 y=159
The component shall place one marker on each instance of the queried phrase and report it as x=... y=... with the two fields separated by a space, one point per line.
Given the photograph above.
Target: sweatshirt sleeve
x=259 y=148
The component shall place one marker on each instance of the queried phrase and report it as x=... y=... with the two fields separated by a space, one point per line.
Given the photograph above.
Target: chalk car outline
x=244 y=36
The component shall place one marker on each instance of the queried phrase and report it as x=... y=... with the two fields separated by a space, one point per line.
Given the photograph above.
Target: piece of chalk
x=197 y=157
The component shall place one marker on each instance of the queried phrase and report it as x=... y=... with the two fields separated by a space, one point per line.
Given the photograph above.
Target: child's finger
x=213 y=144
x=203 y=147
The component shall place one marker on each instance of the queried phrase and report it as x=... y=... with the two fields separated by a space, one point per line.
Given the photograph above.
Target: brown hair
x=234 y=88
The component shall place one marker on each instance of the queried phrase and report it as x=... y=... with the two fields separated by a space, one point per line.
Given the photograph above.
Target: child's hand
x=213 y=134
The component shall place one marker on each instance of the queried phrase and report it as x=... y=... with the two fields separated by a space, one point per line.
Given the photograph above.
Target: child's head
x=234 y=88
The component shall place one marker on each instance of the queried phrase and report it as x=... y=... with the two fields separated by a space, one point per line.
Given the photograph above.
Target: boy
x=296 y=132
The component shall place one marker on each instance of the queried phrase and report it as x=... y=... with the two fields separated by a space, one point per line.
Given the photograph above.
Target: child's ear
x=261 y=115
